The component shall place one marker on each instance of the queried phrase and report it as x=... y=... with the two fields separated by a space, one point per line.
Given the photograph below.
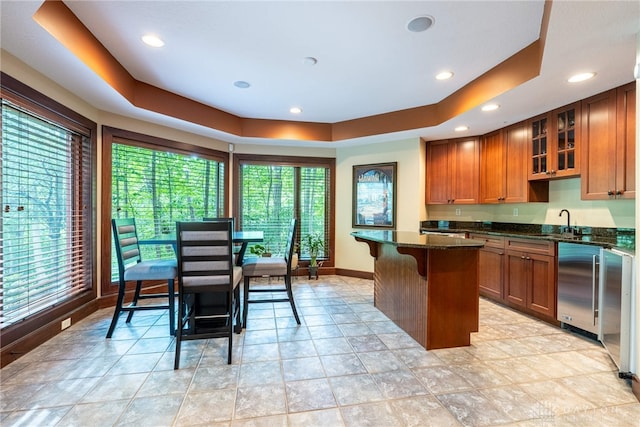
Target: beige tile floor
x=346 y=365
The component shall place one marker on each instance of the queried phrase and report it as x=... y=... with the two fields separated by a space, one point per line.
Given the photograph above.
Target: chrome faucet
x=568 y=230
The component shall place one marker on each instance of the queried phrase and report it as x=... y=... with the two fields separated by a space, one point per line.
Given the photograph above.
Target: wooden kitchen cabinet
x=608 y=126
x=555 y=143
x=530 y=275
x=503 y=168
x=453 y=171
x=491 y=265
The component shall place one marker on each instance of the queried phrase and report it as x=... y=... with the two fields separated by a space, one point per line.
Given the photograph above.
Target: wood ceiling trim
x=161 y=101
x=514 y=71
x=290 y=130
x=62 y=24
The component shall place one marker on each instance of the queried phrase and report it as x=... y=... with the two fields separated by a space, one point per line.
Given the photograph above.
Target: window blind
x=46 y=197
x=271 y=194
x=158 y=188
x=314 y=206
x=267 y=202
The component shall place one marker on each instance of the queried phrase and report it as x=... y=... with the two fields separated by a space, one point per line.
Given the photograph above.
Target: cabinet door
x=599 y=149
x=542 y=289
x=626 y=141
x=538 y=148
x=491 y=268
x=515 y=169
x=516 y=278
x=554 y=144
x=492 y=168
x=566 y=142
x=437 y=186
x=465 y=171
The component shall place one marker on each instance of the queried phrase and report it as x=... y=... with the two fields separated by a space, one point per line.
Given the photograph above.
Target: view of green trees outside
x=314 y=215
x=158 y=188
x=270 y=198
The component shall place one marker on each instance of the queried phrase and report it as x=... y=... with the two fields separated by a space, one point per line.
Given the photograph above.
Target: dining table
x=241 y=237
x=206 y=304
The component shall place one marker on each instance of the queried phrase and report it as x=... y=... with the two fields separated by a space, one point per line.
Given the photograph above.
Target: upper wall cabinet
x=554 y=144
x=503 y=168
x=608 y=128
x=453 y=171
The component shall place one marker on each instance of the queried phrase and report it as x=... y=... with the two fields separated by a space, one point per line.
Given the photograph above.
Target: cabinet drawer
x=489 y=240
x=544 y=247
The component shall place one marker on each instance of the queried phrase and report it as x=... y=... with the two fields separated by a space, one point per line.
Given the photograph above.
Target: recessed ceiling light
x=420 y=23
x=490 y=107
x=580 y=77
x=310 y=60
x=444 y=75
x=461 y=128
x=241 y=84
x=152 y=40
x=295 y=110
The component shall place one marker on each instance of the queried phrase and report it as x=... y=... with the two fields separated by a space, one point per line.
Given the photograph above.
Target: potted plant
x=314 y=243
x=259 y=250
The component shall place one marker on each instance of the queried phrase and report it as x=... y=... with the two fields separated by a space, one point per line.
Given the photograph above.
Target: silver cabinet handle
x=595 y=262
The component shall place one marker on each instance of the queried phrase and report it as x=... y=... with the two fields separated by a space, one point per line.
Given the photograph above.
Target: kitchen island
x=426 y=284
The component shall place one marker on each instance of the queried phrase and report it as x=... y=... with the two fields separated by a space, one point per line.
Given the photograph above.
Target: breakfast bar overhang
x=426 y=284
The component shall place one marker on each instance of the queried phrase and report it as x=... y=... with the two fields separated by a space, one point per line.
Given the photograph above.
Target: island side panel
x=400 y=292
x=453 y=297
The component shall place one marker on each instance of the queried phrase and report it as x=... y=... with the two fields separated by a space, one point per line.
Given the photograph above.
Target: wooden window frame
x=292 y=161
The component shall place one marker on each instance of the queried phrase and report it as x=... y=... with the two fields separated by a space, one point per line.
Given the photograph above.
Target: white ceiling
x=368 y=63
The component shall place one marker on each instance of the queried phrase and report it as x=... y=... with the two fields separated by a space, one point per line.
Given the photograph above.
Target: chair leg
x=181 y=314
x=287 y=281
x=236 y=310
x=230 y=308
x=117 y=311
x=134 y=303
x=245 y=306
x=172 y=307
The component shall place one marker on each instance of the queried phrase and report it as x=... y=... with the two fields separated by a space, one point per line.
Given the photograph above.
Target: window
x=159 y=182
x=47 y=220
x=272 y=190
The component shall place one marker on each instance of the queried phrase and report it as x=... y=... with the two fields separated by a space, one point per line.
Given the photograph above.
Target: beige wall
x=409 y=154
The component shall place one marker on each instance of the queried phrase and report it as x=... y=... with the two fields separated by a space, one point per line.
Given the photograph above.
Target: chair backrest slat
x=125 y=238
x=205 y=255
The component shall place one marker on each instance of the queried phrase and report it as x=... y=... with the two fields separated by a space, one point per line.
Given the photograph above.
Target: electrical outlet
x=458 y=212
x=515 y=211
x=65 y=324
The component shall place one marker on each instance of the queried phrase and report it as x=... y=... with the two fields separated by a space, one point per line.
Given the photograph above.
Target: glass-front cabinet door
x=539 y=153
x=566 y=132
x=554 y=144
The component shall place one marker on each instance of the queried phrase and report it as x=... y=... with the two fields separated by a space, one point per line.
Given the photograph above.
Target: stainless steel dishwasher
x=578 y=283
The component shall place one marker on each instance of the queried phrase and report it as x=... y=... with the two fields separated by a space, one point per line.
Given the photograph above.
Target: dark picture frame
x=374 y=195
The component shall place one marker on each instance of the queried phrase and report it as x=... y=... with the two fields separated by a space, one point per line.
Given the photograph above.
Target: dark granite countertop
x=622 y=238
x=417 y=240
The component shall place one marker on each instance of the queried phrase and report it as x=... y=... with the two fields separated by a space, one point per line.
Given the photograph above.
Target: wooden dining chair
x=270 y=267
x=236 y=248
x=131 y=267
x=206 y=270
